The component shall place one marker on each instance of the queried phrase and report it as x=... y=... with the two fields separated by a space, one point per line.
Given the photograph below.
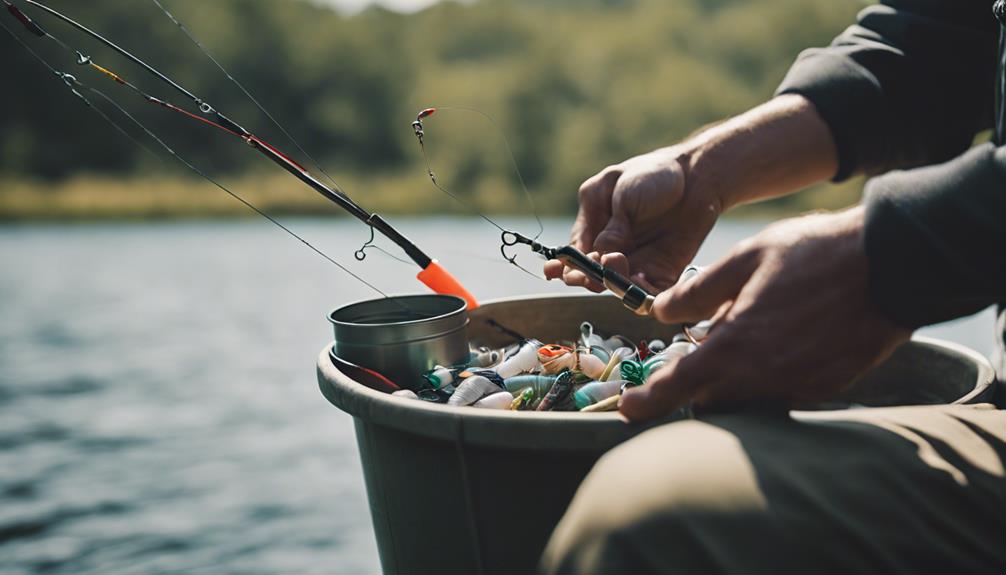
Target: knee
x=646 y=501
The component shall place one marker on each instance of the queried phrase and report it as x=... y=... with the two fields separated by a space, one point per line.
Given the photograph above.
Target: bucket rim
x=986 y=375
x=554 y=431
x=557 y=431
x=342 y=323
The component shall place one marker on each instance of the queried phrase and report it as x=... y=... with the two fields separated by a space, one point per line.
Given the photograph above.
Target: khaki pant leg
x=896 y=490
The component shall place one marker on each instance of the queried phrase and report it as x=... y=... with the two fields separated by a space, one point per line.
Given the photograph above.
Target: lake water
x=158 y=405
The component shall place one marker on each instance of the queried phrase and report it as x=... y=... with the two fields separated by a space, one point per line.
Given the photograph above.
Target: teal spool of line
x=596 y=391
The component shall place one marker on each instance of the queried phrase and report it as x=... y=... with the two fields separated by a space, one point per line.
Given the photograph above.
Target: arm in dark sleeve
x=910 y=84
x=936 y=238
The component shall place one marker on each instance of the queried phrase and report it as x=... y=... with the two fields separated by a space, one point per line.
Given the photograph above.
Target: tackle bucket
x=478 y=491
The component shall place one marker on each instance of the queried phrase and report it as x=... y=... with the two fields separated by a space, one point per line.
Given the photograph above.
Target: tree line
x=569 y=85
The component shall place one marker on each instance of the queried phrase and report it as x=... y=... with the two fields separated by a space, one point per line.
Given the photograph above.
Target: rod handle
x=441 y=281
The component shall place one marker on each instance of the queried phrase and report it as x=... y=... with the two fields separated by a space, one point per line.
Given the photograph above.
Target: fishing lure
x=523 y=400
x=559 y=395
x=523 y=360
x=473 y=389
x=556 y=358
x=537 y=384
x=596 y=392
x=498 y=400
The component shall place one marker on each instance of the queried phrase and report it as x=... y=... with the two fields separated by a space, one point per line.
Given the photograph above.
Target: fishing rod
x=432 y=274
x=75 y=86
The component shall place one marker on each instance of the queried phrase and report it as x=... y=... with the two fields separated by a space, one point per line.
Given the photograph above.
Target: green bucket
x=476 y=491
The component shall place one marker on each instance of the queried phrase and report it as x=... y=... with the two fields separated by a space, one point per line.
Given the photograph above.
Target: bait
x=441 y=377
x=610 y=404
x=498 y=400
x=484 y=357
x=538 y=384
x=486 y=373
x=624 y=353
x=595 y=392
x=523 y=360
x=523 y=400
x=471 y=390
x=556 y=358
x=632 y=372
x=560 y=393
x=589 y=339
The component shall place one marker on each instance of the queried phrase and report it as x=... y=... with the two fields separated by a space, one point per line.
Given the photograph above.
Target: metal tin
x=404 y=336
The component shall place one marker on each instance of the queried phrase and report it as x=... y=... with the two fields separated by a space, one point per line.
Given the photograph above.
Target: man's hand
x=793 y=320
x=657 y=208
x=641 y=208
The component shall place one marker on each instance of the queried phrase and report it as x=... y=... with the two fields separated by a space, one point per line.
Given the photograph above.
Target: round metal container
x=401 y=337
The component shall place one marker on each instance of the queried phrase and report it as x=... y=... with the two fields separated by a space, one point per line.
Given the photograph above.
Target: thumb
x=701 y=297
x=616 y=235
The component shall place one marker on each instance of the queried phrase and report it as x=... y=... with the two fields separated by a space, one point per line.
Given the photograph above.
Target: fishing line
x=420 y=133
x=247 y=93
x=250 y=206
x=361 y=254
x=72 y=83
x=85 y=60
x=432 y=274
x=419 y=129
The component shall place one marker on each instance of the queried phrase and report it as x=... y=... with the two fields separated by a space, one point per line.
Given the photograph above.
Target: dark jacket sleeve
x=909 y=85
x=936 y=238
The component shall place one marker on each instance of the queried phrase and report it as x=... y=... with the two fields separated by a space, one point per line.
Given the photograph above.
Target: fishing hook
x=633 y=296
x=361 y=254
x=68 y=79
x=510 y=239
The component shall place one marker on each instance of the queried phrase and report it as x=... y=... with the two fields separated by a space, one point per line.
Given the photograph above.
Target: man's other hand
x=793 y=320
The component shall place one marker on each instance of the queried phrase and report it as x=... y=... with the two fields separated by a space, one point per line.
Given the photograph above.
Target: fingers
x=553 y=269
x=619 y=262
x=703 y=296
x=595 y=208
x=574 y=277
x=616 y=261
x=670 y=388
x=592 y=217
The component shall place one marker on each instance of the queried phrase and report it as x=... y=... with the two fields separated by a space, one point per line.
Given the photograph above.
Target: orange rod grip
x=441 y=281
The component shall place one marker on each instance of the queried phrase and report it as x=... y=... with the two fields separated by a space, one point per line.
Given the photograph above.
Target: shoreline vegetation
x=96 y=197
x=566 y=86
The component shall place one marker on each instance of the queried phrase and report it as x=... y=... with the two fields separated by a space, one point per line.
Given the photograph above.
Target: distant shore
x=93 y=197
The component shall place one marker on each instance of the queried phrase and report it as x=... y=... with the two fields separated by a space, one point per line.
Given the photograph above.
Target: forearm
x=772 y=150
